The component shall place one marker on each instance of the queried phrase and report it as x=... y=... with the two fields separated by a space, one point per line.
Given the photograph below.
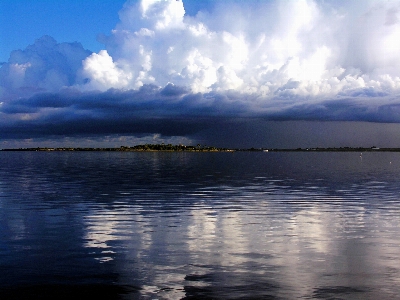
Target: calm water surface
x=200 y=225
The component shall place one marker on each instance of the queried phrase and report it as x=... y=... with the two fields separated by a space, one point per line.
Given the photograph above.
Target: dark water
x=200 y=225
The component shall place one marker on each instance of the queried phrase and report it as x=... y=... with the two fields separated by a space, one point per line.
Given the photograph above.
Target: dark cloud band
x=171 y=111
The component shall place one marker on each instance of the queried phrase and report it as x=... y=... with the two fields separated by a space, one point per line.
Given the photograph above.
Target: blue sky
x=231 y=73
x=23 y=21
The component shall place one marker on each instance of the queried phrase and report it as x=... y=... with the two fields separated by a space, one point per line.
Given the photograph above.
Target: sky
x=225 y=73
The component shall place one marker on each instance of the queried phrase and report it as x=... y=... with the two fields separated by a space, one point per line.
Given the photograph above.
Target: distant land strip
x=202 y=148
x=137 y=148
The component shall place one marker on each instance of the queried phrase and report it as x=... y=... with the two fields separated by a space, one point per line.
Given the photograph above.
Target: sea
x=183 y=225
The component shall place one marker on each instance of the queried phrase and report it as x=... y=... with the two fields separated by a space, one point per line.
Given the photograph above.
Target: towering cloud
x=274 y=49
x=44 y=66
x=274 y=60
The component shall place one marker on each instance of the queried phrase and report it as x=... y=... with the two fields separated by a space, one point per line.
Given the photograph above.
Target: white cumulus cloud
x=326 y=47
x=104 y=72
x=43 y=66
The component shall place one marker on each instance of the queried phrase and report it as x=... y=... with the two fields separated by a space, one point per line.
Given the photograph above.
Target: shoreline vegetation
x=203 y=148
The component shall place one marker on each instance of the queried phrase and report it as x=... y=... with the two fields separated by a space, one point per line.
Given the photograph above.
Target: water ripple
x=186 y=226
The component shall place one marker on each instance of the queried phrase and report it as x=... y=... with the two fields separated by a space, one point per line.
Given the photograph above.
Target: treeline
x=203 y=148
x=170 y=147
x=137 y=148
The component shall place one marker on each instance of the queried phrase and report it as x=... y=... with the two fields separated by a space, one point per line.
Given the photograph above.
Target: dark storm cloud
x=365 y=109
x=173 y=90
x=172 y=111
x=364 y=92
x=167 y=111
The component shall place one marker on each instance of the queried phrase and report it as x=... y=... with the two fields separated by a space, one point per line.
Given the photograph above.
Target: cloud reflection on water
x=177 y=225
x=301 y=252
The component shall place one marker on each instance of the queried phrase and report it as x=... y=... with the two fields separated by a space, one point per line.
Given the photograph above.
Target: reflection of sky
x=301 y=251
x=282 y=238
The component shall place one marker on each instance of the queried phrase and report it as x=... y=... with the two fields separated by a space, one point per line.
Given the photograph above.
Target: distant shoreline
x=199 y=148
